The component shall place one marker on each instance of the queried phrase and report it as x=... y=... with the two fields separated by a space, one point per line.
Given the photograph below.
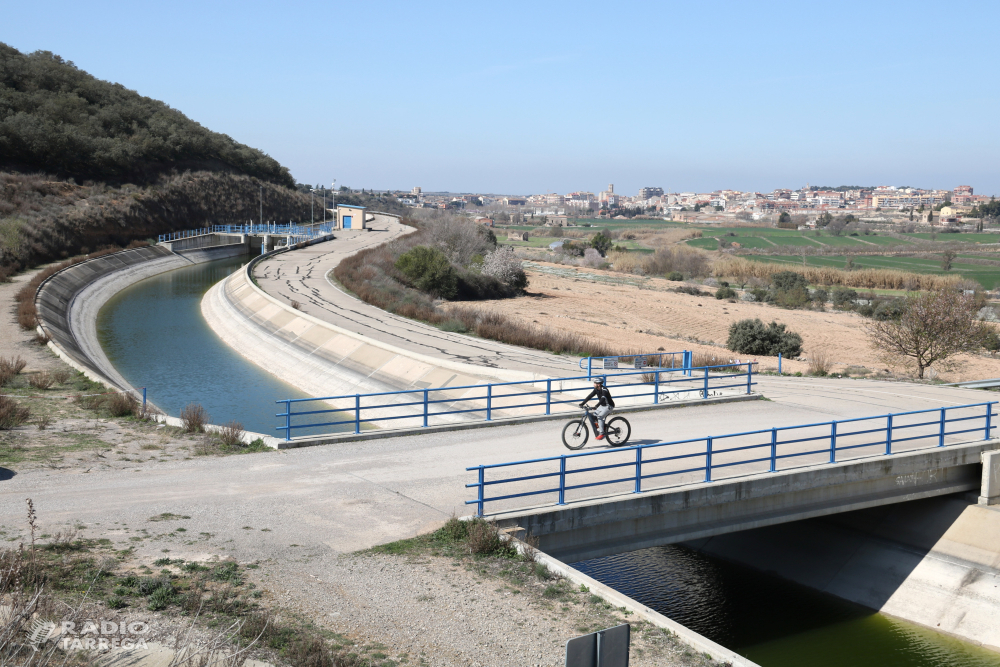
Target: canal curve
x=154 y=334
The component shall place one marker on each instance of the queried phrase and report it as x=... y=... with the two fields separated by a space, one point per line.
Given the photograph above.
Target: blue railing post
x=425 y=407
x=774 y=450
x=357 y=413
x=888 y=435
x=489 y=401
x=833 y=442
x=638 y=469
x=989 y=415
x=590 y=367
x=708 y=460
x=749 y=375
x=548 y=397
x=656 y=388
x=779 y=363
x=482 y=487
x=706 y=383
x=562 y=479
x=941 y=434
x=144 y=411
x=288 y=420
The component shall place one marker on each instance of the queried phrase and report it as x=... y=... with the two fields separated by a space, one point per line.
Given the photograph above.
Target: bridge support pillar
x=990 y=492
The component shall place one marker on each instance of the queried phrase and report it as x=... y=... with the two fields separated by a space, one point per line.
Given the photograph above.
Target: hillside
x=61 y=120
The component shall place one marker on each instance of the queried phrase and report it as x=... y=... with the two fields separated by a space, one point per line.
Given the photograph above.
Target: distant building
x=514 y=201
x=649 y=193
x=416 y=191
x=963 y=190
x=481 y=220
x=557 y=221
x=350 y=217
x=514 y=235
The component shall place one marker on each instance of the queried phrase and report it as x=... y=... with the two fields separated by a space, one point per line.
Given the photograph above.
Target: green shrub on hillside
x=430 y=271
x=59 y=119
x=754 y=337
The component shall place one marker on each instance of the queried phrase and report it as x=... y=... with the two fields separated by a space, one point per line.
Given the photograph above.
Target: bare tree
x=933 y=327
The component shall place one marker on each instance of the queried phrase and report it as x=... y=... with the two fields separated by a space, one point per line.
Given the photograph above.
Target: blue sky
x=522 y=97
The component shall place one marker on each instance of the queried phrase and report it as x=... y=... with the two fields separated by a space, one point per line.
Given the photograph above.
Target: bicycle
x=575 y=434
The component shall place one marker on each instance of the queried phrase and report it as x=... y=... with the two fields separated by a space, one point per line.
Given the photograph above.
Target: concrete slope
x=69 y=301
x=301 y=275
x=935 y=562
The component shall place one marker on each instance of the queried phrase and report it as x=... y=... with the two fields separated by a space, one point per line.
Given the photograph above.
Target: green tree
x=947 y=257
x=601 y=243
x=754 y=337
x=429 y=270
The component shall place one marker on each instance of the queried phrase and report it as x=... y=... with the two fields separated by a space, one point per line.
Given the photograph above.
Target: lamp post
x=312 y=206
x=261 y=220
x=333 y=201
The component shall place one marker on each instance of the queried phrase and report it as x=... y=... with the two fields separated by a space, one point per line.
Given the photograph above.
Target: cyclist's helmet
x=599 y=381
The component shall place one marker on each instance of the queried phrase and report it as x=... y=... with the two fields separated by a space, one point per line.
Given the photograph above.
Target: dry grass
x=296 y=305
x=12 y=413
x=122 y=404
x=819 y=363
x=740 y=268
x=692 y=262
x=231 y=435
x=194 y=417
x=497 y=326
x=42 y=380
x=9 y=369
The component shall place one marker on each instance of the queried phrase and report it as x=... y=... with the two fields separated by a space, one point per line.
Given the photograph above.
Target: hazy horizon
x=534 y=98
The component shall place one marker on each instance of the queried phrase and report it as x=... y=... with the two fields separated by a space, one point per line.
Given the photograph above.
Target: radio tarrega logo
x=91 y=635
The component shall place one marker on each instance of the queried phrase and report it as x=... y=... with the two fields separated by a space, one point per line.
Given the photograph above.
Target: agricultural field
x=987 y=276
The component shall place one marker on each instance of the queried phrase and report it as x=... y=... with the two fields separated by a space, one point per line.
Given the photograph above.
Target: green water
x=154 y=334
x=774 y=622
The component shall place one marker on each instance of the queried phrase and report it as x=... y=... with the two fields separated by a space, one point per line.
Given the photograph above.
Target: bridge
x=606 y=502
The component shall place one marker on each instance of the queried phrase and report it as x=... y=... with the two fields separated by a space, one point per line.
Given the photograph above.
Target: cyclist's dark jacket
x=603 y=396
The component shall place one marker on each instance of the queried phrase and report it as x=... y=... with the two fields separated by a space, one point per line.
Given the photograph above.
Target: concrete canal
x=773 y=621
x=154 y=334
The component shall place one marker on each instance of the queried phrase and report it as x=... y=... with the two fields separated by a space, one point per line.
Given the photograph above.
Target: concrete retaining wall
x=203 y=241
x=935 y=562
x=69 y=301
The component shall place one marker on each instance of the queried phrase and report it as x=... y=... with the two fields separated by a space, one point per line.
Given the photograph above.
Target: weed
x=61 y=376
x=296 y=305
x=168 y=516
x=121 y=404
x=231 y=435
x=41 y=380
x=43 y=422
x=12 y=413
x=194 y=417
x=819 y=363
x=41 y=339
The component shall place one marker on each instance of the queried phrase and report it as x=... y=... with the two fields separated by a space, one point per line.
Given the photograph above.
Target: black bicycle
x=575 y=434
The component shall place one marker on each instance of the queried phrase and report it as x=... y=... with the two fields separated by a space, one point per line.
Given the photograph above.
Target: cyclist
x=605 y=404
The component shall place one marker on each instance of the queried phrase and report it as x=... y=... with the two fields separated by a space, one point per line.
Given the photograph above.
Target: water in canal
x=772 y=621
x=154 y=334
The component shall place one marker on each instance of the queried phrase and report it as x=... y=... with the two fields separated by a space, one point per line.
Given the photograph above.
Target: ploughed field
x=641 y=314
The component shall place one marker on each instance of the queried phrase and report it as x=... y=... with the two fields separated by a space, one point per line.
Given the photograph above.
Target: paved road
x=302 y=276
x=350 y=496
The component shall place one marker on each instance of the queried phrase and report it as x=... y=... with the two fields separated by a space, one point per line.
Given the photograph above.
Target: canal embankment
x=934 y=562
x=69 y=301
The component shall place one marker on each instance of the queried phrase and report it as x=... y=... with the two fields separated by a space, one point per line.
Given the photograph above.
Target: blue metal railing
x=638 y=361
x=483 y=401
x=304 y=232
x=635 y=465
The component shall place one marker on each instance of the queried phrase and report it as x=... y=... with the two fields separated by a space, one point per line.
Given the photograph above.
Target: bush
x=675 y=275
x=787 y=281
x=725 y=293
x=761 y=295
x=41 y=380
x=844 y=297
x=820 y=296
x=12 y=413
x=754 y=337
x=231 y=435
x=429 y=270
x=484 y=539
x=194 y=417
x=991 y=342
x=9 y=368
x=505 y=266
x=688 y=289
x=121 y=404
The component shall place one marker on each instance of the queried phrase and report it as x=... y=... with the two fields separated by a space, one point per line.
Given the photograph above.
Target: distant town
x=720 y=205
